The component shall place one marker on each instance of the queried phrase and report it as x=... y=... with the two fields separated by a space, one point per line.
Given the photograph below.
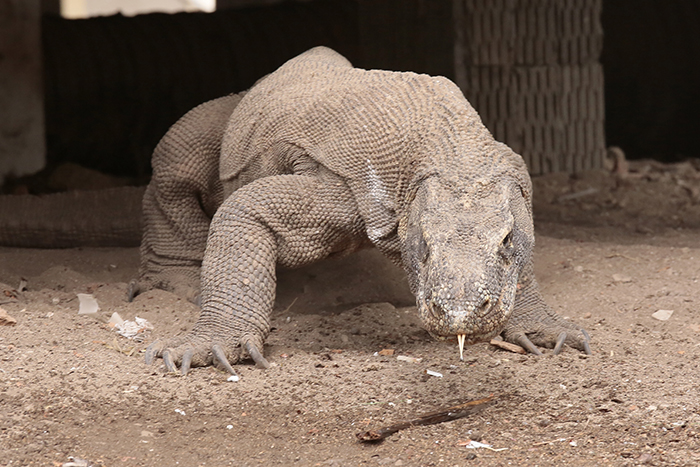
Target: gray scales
x=321 y=159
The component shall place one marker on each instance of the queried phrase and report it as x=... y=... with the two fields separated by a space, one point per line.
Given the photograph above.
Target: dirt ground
x=611 y=252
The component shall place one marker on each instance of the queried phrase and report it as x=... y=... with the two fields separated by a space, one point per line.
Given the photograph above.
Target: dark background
x=114 y=85
x=651 y=60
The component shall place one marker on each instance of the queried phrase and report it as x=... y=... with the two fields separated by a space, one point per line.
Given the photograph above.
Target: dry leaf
x=5 y=319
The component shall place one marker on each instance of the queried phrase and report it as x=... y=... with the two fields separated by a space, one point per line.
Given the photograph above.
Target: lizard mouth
x=470 y=325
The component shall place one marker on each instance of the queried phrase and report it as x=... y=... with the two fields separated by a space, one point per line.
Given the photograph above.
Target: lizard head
x=463 y=250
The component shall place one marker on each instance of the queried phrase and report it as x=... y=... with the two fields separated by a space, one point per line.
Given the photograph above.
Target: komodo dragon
x=320 y=159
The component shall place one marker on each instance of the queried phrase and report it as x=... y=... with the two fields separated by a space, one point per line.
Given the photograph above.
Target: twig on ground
x=446 y=415
x=508 y=346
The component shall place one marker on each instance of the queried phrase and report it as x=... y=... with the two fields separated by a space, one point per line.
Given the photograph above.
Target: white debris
x=433 y=373
x=115 y=319
x=404 y=358
x=88 y=304
x=76 y=462
x=233 y=378
x=181 y=412
x=229 y=427
x=662 y=315
x=475 y=445
x=130 y=329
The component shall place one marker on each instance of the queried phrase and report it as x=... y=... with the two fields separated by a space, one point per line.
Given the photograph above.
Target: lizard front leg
x=290 y=220
x=533 y=323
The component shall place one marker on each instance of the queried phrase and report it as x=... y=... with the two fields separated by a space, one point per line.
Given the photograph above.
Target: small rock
x=578 y=268
x=386 y=352
x=621 y=278
x=645 y=458
x=662 y=315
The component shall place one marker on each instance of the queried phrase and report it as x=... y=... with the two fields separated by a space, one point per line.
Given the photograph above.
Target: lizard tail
x=110 y=217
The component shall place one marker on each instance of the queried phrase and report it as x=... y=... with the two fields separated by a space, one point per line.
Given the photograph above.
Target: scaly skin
x=322 y=158
x=184 y=193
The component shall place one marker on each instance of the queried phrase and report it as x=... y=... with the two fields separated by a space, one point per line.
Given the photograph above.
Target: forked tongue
x=460 y=340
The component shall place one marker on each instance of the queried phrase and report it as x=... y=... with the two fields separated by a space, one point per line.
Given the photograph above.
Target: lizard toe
x=253 y=346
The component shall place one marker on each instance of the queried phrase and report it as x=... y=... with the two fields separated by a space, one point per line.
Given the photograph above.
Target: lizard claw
x=544 y=328
x=169 y=363
x=256 y=355
x=133 y=290
x=193 y=351
x=186 y=361
x=560 y=342
x=586 y=342
x=152 y=351
x=523 y=341
x=221 y=358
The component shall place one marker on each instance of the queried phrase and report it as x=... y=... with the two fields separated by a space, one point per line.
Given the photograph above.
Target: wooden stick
x=446 y=415
x=508 y=346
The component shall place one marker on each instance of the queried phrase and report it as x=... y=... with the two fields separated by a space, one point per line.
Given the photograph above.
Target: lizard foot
x=194 y=350
x=544 y=328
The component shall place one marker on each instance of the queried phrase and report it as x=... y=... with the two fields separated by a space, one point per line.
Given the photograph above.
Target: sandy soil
x=611 y=252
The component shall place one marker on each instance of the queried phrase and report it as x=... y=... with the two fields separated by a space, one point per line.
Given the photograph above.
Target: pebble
x=621 y=278
x=662 y=315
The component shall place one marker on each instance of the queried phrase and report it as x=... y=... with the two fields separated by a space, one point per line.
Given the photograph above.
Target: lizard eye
x=422 y=250
x=507 y=245
x=508 y=240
